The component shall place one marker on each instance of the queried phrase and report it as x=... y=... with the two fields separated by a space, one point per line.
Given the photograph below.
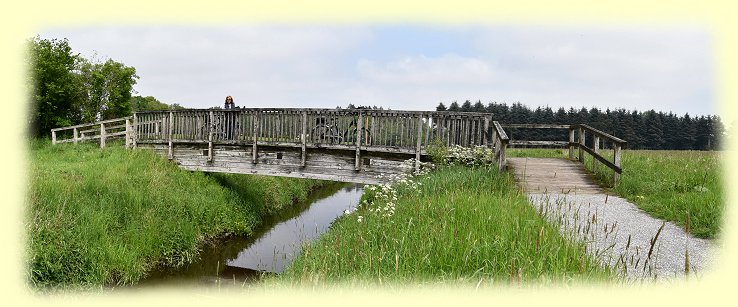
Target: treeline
x=642 y=130
x=68 y=89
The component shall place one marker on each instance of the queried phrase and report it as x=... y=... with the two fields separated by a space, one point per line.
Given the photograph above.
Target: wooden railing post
x=102 y=135
x=53 y=137
x=418 y=143
x=134 y=140
x=74 y=131
x=128 y=134
x=359 y=125
x=596 y=148
x=484 y=133
x=254 y=132
x=571 y=142
x=210 y=137
x=303 y=138
x=581 y=143
x=616 y=158
x=169 y=136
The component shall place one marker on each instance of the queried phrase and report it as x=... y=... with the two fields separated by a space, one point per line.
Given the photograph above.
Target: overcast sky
x=412 y=67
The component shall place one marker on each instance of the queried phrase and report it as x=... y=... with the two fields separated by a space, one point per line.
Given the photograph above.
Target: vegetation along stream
x=271 y=248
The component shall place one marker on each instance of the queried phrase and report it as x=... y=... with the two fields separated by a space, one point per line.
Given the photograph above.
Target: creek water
x=273 y=245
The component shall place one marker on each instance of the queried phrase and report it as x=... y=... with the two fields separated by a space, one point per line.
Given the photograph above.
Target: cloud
x=422 y=70
x=413 y=67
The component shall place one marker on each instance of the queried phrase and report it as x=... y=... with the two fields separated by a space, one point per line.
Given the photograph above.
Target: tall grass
x=684 y=187
x=454 y=224
x=98 y=217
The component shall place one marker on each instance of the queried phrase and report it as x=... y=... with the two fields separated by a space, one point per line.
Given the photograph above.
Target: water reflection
x=271 y=248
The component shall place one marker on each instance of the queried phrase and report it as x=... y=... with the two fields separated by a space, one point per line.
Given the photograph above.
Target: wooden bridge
x=360 y=145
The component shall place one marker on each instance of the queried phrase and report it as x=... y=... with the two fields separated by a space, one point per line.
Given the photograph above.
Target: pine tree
x=441 y=107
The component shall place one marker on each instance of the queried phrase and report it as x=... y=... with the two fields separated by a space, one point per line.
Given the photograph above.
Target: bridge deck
x=552 y=175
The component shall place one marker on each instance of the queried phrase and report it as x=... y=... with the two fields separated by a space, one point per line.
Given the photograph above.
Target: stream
x=271 y=248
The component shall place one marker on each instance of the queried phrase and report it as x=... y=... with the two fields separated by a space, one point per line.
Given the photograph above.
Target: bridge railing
x=373 y=130
x=599 y=138
x=578 y=140
x=100 y=131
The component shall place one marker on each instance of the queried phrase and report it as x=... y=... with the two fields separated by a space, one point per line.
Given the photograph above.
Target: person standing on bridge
x=229 y=103
x=229 y=124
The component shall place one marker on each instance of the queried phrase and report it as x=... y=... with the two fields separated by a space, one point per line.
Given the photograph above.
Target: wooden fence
x=100 y=131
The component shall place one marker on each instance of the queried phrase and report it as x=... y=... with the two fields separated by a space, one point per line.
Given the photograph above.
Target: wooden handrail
x=604 y=135
x=537 y=126
x=91 y=124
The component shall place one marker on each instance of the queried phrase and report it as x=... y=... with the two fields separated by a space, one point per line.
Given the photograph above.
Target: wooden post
x=581 y=143
x=102 y=135
x=502 y=161
x=128 y=134
x=210 y=137
x=486 y=128
x=616 y=176
x=53 y=137
x=254 y=131
x=571 y=143
x=596 y=149
x=304 y=138
x=198 y=125
x=169 y=136
x=419 y=143
x=134 y=140
x=359 y=125
x=74 y=131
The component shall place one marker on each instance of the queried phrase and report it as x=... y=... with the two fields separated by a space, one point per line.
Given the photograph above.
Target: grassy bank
x=455 y=224
x=108 y=216
x=680 y=186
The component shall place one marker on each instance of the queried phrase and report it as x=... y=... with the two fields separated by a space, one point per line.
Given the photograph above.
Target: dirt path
x=613 y=229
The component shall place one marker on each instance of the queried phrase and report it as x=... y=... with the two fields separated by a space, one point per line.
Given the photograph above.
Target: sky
x=412 y=66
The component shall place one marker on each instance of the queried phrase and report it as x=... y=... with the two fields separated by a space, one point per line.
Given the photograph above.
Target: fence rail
x=101 y=131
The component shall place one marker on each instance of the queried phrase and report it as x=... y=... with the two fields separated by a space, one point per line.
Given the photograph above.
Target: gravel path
x=617 y=232
x=621 y=235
